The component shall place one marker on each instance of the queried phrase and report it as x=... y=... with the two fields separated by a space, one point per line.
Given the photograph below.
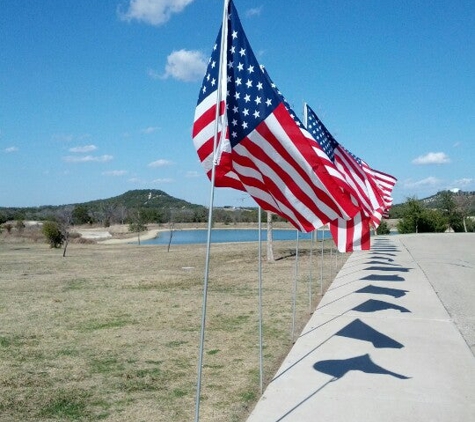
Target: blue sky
x=98 y=97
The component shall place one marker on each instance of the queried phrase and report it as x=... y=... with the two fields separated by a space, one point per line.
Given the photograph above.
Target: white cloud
x=149 y=130
x=87 y=158
x=10 y=149
x=193 y=174
x=184 y=65
x=463 y=182
x=432 y=158
x=114 y=173
x=153 y=12
x=428 y=181
x=160 y=163
x=256 y=11
x=83 y=149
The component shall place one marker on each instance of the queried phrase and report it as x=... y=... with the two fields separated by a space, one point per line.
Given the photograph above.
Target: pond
x=181 y=237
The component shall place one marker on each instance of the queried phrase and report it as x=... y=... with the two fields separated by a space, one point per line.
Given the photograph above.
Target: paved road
x=448 y=261
x=392 y=339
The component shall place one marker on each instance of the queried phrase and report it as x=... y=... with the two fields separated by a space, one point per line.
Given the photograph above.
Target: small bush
x=383 y=228
x=53 y=234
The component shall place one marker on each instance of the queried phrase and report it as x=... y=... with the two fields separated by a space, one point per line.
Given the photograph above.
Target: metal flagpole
x=337 y=252
x=312 y=235
x=294 y=299
x=331 y=261
x=224 y=32
x=261 y=362
x=321 y=266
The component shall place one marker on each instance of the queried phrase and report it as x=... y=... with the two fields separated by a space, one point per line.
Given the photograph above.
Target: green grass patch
x=176 y=343
x=151 y=379
x=248 y=396
x=67 y=405
x=109 y=365
x=98 y=324
x=229 y=323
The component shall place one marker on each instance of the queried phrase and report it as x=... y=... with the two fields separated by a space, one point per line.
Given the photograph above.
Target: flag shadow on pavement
x=377 y=290
x=373 y=305
x=383 y=277
x=358 y=330
x=392 y=268
x=338 y=368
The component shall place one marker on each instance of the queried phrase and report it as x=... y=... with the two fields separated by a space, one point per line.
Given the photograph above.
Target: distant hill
x=144 y=199
x=465 y=199
x=148 y=205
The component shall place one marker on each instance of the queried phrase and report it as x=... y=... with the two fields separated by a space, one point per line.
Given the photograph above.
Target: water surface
x=181 y=237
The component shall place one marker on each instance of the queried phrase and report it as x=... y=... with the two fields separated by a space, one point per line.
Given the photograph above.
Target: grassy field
x=111 y=332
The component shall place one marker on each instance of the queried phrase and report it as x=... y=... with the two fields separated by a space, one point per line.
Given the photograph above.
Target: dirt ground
x=111 y=332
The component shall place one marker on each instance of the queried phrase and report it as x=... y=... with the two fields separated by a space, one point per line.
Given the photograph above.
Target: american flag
x=365 y=191
x=252 y=142
x=385 y=183
x=354 y=234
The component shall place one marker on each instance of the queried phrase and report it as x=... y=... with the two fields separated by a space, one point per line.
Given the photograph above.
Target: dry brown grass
x=111 y=332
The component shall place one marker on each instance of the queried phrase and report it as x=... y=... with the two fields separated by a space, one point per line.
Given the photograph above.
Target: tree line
x=446 y=211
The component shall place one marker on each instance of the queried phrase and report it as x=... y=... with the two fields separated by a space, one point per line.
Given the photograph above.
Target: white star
x=230 y=64
x=240 y=66
x=237 y=95
x=247 y=98
x=234 y=35
x=204 y=89
x=233 y=49
x=234 y=122
x=238 y=81
x=245 y=112
x=213 y=65
x=257 y=114
x=213 y=81
x=235 y=109
x=249 y=83
x=234 y=134
x=259 y=86
x=244 y=125
x=268 y=102
x=242 y=52
x=250 y=69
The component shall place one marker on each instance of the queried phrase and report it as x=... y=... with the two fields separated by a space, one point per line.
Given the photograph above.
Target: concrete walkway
x=391 y=340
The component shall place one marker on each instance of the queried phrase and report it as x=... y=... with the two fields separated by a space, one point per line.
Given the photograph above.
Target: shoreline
x=150 y=234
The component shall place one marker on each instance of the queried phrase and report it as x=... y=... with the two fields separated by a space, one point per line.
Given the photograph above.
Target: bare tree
x=464 y=203
x=270 y=238
x=65 y=218
x=120 y=213
x=171 y=224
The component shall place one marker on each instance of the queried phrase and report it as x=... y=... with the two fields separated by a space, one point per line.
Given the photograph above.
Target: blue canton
x=251 y=98
x=321 y=134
